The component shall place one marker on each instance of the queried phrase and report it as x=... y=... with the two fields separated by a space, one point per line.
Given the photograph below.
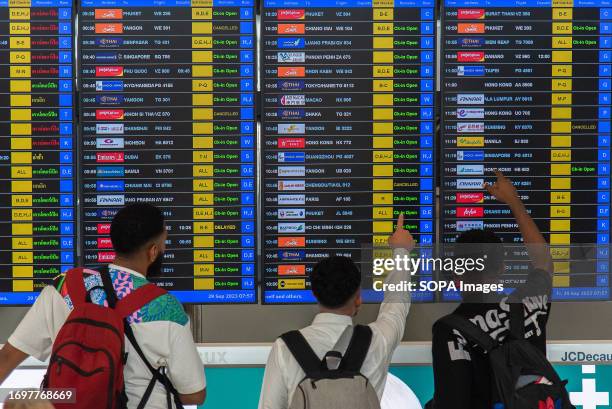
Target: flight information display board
x=526 y=89
x=168 y=117
x=347 y=133
x=36 y=163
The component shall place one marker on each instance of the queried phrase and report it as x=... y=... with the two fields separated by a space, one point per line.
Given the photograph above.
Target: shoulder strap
x=138 y=299
x=76 y=286
x=469 y=330
x=517 y=320
x=357 y=349
x=302 y=352
x=344 y=340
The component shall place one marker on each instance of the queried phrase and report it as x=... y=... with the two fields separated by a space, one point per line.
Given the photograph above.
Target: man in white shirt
x=161 y=327
x=336 y=284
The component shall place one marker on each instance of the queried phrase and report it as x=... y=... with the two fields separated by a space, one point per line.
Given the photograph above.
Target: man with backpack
x=491 y=352
x=79 y=323
x=331 y=363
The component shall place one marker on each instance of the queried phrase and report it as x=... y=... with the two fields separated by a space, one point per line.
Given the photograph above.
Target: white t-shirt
x=161 y=328
x=398 y=395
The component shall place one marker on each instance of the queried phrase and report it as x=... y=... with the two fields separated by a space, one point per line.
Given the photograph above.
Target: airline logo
x=290 y=56
x=110 y=157
x=290 y=85
x=470 y=28
x=109 y=99
x=292 y=241
x=104 y=243
x=290 y=14
x=107 y=213
x=292 y=128
x=110 y=171
x=110 y=200
x=291 y=255
x=291 y=213
x=471 y=42
x=291 y=200
x=110 y=129
x=470 y=99
x=293 y=157
x=106 y=256
x=108 y=14
x=470 y=70
x=293 y=100
x=110 y=186
x=109 y=42
x=288 y=185
x=473 y=141
x=470 y=127
x=106 y=57
x=292 y=284
x=474 y=197
x=109 y=71
x=471 y=14
x=291 y=227
x=470 y=56
x=109 y=114
x=466 y=225
x=291 y=29
x=295 y=113
x=291 y=42
x=292 y=72
x=103 y=228
x=470 y=211
x=470 y=170
x=109 y=85
x=469 y=184
x=291 y=143
x=291 y=171
x=291 y=270
x=470 y=113
x=109 y=28
x=477 y=156
x=110 y=143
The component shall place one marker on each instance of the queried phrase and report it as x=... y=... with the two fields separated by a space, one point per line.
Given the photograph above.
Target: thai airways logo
x=470 y=141
x=293 y=100
x=470 y=211
x=470 y=113
x=109 y=42
x=291 y=171
x=291 y=227
x=110 y=143
x=292 y=129
x=466 y=225
x=290 y=85
x=109 y=85
x=471 y=14
x=294 y=199
x=110 y=157
x=109 y=114
x=291 y=213
x=286 y=255
x=471 y=42
x=288 y=185
x=470 y=127
x=291 y=143
x=470 y=28
x=291 y=42
x=291 y=270
x=290 y=14
x=470 y=170
x=109 y=99
x=470 y=56
x=108 y=14
x=108 y=28
x=295 y=157
x=291 y=29
x=477 y=156
x=470 y=99
x=290 y=56
x=469 y=197
x=469 y=184
x=284 y=72
x=106 y=213
x=110 y=129
x=296 y=113
x=109 y=71
x=110 y=200
x=292 y=241
x=470 y=70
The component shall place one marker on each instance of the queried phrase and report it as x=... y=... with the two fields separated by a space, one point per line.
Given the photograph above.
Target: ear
x=358 y=299
x=153 y=252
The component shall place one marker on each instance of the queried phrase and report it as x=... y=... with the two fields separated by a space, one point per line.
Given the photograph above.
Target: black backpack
x=522 y=377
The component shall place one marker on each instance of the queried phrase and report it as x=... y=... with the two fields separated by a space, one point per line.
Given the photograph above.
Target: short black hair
x=478 y=243
x=134 y=226
x=334 y=281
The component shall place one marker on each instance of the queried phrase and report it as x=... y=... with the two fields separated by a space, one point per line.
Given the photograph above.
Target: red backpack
x=89 y=352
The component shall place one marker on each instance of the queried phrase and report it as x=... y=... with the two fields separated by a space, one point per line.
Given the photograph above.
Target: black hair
x=334 y=281
x=134 y=226
x=478 y=243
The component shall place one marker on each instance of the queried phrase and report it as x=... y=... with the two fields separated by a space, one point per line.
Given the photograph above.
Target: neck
x=350 y=312
x=132 y=265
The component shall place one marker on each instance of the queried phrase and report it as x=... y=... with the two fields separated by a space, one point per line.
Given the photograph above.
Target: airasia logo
x=470 y=212
x=291 y=143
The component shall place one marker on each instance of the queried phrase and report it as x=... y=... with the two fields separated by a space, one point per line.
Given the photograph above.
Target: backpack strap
x=357 y=349
x=302 y=352
x=517 y=320
x=469 y=330
x=76 y=286
x=138 y=299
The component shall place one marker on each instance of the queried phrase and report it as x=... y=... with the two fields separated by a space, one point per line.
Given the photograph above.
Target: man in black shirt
x=461 y=373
